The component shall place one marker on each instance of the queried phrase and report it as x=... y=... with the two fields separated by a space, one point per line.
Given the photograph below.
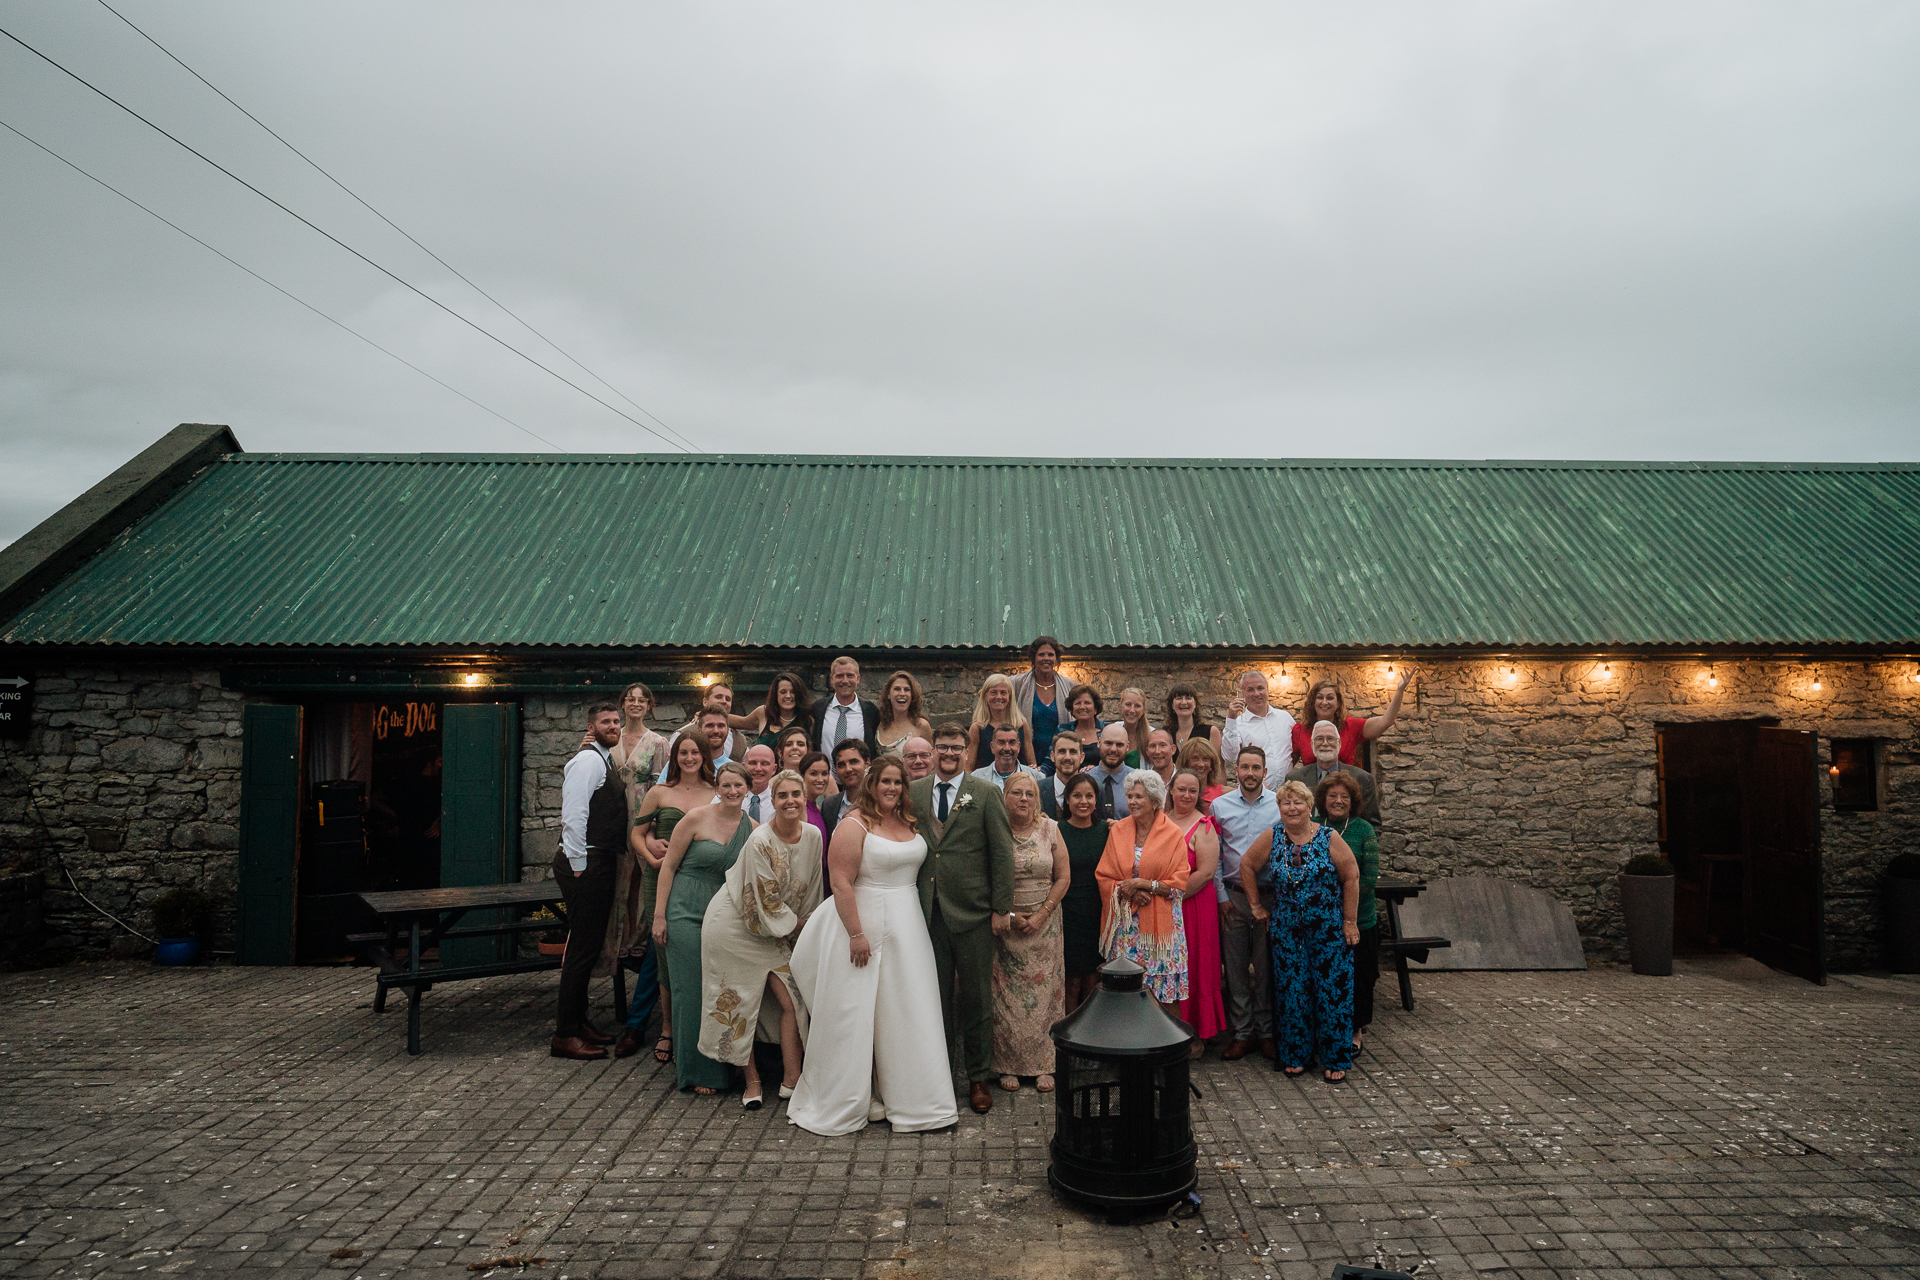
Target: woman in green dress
x=705 y=844
x=1337 y=799
x=688 y=788
x=1085 y=835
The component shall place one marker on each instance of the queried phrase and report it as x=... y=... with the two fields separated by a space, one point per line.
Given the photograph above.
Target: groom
x=966 y=889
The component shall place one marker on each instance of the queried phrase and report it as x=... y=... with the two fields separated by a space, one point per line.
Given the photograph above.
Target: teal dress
x=701 y=874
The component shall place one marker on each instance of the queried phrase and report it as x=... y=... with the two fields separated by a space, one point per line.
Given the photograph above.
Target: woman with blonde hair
x=1133 y=714
x=994 y=708
x=1029 y=963
x=1143 y=875
x=639 y=757
x=902 y=714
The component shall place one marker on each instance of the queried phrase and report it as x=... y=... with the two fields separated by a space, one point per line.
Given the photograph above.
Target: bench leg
x=379 y=996
x=1400 y=957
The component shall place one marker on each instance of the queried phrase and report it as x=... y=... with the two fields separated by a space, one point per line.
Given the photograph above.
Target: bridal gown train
x=877 y=1027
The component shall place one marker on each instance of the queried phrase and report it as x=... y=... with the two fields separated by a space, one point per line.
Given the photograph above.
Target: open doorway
x=1739 y=820
x=372 y=816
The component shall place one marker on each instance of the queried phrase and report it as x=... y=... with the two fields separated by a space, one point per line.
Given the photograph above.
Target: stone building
x=1716 y=661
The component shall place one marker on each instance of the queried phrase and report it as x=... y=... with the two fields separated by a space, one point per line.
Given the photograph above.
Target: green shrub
x=1904 y=867
x=1647 y=864
x=182 y=913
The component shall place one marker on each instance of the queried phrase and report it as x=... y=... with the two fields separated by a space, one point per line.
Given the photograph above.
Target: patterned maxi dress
x=626 y=934
x=1029 y=969
x=748 y=936
x=1203 y=1009
x=1312 y=964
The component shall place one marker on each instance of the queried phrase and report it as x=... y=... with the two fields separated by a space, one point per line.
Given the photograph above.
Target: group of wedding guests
x=845 y=879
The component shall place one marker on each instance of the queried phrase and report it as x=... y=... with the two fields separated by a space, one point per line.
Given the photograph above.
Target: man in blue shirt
x=1110 y=775
x=1242 y=815
x=1006 y=759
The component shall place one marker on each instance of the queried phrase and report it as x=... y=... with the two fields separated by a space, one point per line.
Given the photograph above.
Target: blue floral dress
x=1312 y=964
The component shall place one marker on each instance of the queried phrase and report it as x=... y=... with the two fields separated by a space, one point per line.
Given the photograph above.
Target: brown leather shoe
x=628 y=1044
x=1235 y=1051
x=978 y=1098
x=576 y=1048
x=1267 y=1050
x=594 y=1035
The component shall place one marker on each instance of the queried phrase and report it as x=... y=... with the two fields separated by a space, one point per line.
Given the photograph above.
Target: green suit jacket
x=969 y=866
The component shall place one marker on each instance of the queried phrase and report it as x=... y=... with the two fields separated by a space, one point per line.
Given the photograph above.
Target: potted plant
x=553 y=942
x=180 y=916
x=1903 y=912
x=1646 y=899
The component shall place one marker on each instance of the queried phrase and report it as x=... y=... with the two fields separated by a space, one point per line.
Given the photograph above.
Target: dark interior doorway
x=1739 y=819
x=372 y=816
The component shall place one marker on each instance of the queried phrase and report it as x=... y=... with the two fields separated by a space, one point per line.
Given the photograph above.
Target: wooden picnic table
x=423 y=918
x=1392 y=892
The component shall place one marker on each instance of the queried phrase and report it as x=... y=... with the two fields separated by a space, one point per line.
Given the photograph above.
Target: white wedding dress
x=878 y=1045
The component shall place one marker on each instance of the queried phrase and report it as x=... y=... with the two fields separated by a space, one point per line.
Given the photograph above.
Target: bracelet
x=851 y=937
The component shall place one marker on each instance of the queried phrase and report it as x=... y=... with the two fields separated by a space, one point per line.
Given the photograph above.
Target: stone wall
x=1542 y=772
x=129 y=784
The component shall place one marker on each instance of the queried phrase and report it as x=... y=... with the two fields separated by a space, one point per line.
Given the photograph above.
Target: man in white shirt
x=593 y=836
x=761 y=766
x=1240 y=816
x=1251 y=720
x=846 y=714
x=1006 y=760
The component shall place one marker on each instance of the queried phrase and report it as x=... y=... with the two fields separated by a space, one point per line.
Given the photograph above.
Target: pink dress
x=1202 y=1009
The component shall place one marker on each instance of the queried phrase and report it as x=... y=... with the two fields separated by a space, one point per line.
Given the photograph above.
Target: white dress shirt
x=856 y=723
x=953 y=795
x=1272 y=733
x=766 y=804
x=585 y=774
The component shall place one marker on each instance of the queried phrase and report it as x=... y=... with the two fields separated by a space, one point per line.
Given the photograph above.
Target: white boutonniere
x=964 y=802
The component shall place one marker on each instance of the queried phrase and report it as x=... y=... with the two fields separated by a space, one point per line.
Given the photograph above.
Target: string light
x=1817 y=686
x=1713 y=681
x=472 y=677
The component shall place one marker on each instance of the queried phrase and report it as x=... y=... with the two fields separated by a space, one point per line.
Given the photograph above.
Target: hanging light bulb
x=1713 y=681
x=1817 y=686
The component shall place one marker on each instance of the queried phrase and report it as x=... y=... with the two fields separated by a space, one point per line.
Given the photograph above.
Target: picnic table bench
x=418 y=919
x=1393 y=892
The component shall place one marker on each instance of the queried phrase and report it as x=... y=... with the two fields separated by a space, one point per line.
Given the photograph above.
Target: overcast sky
x=1509 y=230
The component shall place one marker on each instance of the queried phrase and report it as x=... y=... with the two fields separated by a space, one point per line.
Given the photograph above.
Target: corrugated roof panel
x=481 y=551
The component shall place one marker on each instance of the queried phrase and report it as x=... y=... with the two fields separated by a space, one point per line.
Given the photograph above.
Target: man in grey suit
x=966 y=889
x=1326 y=760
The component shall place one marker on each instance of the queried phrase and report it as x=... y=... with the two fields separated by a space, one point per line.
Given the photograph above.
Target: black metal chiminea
x=1123 y=1130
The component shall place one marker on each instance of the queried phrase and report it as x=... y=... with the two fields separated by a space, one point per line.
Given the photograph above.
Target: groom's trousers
x=965 y=963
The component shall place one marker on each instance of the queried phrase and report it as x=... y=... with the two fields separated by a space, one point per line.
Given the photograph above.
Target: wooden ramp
x=1494 y=924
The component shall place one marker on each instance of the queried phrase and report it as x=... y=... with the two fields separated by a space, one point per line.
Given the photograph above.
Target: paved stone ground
x=1725 y=1122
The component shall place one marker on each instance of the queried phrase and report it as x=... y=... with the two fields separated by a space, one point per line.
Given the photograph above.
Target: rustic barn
x=1713 y=660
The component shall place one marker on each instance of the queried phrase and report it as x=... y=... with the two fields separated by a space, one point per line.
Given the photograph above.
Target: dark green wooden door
x=269 y=834
x=1788 y=894
x=479 y=812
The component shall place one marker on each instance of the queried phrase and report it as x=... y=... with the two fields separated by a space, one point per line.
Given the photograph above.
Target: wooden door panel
x=268 y=860
x=1786 y=891
x=479 y=790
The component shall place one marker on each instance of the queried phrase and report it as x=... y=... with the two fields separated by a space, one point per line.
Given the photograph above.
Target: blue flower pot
x=179 y=950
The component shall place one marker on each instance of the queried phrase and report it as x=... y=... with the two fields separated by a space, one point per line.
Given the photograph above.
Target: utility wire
x=411 y=288
x=271 y=285
x=316 y=167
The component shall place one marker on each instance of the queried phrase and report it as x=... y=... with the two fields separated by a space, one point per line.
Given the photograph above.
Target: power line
x=271 y=285
x=411 y=288
x=317 y=168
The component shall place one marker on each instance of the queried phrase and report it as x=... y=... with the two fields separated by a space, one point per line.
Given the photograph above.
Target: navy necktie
x=945 y=787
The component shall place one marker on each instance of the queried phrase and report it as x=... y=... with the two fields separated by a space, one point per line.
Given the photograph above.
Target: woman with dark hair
x=1042 y=693
x=817 y=772
x=791 y=745
x=638 y=758
x=705 y=844
x=1203 y=1009
x=1183 y=717
x=902 y=714
x=788 y=703
x=688 y=787
x=1083 y=711
x=1084 y=832
x=1338 y=799
x=1324 y=702
x=866 y=972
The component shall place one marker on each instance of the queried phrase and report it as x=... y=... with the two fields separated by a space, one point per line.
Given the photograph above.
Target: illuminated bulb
x=1513 y=674
x=1606 y=671
x=1816 y=684
x=1713 y=681
x=705 y=681
x=473 y=677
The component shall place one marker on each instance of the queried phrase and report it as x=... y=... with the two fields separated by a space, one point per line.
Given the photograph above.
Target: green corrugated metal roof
x=712 y=552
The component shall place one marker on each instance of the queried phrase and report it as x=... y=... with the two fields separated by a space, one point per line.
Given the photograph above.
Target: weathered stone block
x=144 y=755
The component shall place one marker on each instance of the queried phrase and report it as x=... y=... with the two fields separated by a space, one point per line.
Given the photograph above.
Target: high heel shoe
x=751 y=1101
x=786 y=1091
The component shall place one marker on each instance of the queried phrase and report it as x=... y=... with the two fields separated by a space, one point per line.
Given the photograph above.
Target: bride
x=878 y=1048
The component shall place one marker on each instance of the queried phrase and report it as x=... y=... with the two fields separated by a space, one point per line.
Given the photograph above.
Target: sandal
x=1294 y=1071
x=702 y=1091
x=1010 y=1083
x=1043 y=1083
x=1334 y=1077
x=663 y=1051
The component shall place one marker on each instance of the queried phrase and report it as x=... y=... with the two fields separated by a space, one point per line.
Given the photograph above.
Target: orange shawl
x=1164 y=859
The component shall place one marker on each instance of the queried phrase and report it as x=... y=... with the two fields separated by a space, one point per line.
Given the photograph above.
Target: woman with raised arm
x=1314 y=881
x=687 y=788
x=1029 y=975
x=787 y=703
x=1142 y=876
x=994 y=709
x=746 y=941
x=865 y=971
x=1203 y=1009
x=705 y=844
x=1324 y=702
x=902 y=714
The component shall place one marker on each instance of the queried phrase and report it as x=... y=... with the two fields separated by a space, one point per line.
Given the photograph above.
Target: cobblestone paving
x=1725 y=1122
